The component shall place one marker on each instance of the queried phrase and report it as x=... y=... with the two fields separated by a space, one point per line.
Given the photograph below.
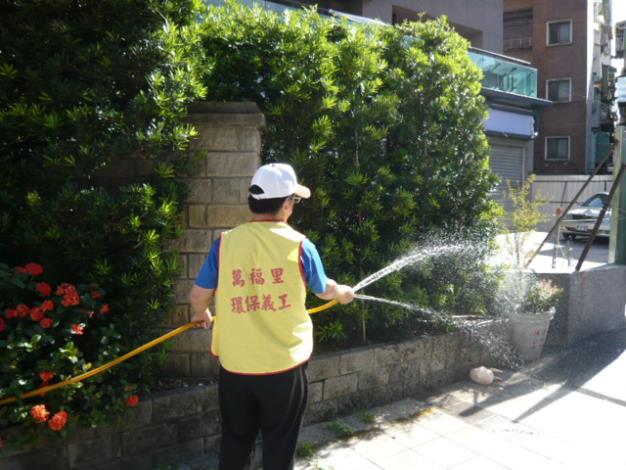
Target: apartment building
x=569 y=42
x=620 y=28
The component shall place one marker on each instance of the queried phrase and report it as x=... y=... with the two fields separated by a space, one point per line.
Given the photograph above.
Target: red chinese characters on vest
x=252 y=303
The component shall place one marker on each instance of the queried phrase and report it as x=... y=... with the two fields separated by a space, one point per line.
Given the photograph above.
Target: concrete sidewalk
x=566 y=411
x=560 y=258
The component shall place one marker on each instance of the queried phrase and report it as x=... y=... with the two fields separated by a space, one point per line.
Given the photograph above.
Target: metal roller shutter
x=508 y=163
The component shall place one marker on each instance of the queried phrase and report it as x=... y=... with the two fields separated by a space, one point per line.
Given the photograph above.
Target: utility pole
x=617 y=244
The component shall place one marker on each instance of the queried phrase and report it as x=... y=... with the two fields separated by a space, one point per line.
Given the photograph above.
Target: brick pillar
x=228 y=153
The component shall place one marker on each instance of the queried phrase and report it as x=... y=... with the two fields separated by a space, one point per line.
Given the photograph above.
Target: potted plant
x=531 y=318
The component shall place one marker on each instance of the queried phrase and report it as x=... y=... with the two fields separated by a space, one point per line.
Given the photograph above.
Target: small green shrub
x=541 y=296
x=524 y=218
x=366 y=417
x=340 y=428
x=305 y=450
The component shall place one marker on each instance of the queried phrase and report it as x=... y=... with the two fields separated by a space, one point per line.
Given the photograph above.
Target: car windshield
x=596 y=201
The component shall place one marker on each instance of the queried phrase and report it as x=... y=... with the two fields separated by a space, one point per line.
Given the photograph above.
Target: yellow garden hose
x=128 y=355
x=322 y=307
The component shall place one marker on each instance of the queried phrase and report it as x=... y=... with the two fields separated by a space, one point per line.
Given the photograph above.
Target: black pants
x=273 y=404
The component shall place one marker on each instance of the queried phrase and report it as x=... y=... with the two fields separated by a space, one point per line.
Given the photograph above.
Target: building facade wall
x=478 y=20
x=562 y=61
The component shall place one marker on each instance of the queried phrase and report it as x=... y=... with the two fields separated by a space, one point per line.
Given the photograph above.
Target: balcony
x=506 y=74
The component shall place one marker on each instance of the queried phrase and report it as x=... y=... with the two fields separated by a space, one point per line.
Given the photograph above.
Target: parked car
x=580 y=221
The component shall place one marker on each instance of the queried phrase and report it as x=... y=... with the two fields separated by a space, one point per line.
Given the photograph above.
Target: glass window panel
x=506 y=75
x=559 y=90
x=559 y=33
x=595 y=201
x=558 y=148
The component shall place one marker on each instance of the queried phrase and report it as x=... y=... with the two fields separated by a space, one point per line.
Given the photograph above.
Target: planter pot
x=528 y=333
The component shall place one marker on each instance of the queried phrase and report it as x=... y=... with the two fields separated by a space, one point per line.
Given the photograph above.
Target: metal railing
x=517 y=43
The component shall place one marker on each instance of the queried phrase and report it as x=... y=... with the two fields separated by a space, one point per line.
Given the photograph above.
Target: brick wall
x=183 y=425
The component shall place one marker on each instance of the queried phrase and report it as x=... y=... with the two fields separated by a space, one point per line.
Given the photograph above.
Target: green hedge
x=383 y=123
x=83 y=85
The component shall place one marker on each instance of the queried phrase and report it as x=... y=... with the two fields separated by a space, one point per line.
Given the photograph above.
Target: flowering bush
x=49 y=334
x=65 y=129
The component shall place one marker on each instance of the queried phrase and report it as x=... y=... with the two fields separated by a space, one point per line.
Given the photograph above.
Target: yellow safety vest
x=261 y=326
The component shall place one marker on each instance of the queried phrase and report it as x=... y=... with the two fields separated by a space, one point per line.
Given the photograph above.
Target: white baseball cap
x=278 y=180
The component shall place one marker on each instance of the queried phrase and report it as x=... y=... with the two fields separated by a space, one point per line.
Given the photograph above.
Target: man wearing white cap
x=262 y=333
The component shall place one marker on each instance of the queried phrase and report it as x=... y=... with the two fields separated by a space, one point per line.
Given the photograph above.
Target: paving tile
x=396 y=410
x=410 y=460
x=445 y=452
x=521 y=423
x=592 y=421
x=529 y=438
x=410 y=434
x=478 y=463
x=376 y=447
x=466 y=410
x=520 y=402
x=469 y=393
x=339 y=457
x=499 y=450
x=440 y=422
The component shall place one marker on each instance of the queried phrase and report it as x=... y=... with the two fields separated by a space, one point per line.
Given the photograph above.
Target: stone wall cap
x=223 y=107
x=222 y=114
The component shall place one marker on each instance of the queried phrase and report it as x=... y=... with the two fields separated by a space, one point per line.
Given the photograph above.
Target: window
x=518 y=29
x=596 y=201
x=557 y=148
x=559 y=90
x=559 y=32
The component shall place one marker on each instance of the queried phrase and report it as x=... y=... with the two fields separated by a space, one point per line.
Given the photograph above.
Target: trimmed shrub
x=383 y=123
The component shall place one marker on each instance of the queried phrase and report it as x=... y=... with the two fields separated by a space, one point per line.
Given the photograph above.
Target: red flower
x=105 y=309
x=21 y=270
x=96 y=294
x=46 y=376
x=10 y=313
x=43 y=288
x=63 y=288
x=132 y=400
x=36 y=313
x=39 y=413
x=47 y=305
x=58 y=421
x=22 y=310
x=69 y=300
x=78 y=328
x=33 y=269
x=3 y=325
x=69 y=293
x=46 y=322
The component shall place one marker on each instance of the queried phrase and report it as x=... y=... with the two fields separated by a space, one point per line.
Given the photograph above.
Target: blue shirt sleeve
x=207 y=277
x=312 y=266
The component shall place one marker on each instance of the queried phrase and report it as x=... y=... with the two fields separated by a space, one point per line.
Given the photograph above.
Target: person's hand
x=204 y=319
x=344 y=294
